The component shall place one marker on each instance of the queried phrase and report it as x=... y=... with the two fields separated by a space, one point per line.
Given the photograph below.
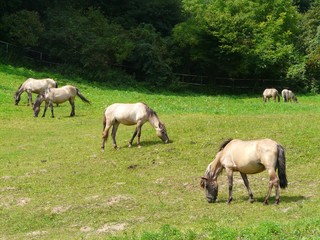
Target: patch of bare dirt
x=117 y=199
x=111 y=228
x=86 y=229
x=60 y=209
x=23 y=201
x=36 y=233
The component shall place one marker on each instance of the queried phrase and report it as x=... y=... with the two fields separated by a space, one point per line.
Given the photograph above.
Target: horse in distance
x=246 y=157
x=270 y=93
x=58 y=95
x=32 y=85
x=288 y=96
x=131 y=114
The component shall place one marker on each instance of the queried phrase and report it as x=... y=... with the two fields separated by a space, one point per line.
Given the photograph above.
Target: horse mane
x=224 y=144
x=150 y=111
x=18 y=89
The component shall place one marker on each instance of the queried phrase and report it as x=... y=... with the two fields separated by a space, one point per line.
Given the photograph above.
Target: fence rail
x=27 y=52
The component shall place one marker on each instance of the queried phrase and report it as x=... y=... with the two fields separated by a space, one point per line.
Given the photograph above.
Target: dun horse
x=32 y=85
x=131 y=114
x=247 y=157
x=288 y=96
x=57 y=95
x=270 y=93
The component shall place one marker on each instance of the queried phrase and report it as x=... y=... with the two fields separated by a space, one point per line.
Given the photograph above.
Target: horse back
x=250 y=156
x=127 y=113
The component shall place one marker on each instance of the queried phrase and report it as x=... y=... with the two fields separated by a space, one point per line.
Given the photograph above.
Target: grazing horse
x=247 y=157
x=288 y=96
x=131 y=114
x=57 y=95
x=32 y=85
x=270 y=93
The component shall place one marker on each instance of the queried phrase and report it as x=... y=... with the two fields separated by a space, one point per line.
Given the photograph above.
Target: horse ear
x=203 y=181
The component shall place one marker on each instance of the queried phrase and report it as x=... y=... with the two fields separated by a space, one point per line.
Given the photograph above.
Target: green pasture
x=55 y=183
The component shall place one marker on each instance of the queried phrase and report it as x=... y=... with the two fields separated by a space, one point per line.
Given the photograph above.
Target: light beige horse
x=246 y=157
x=288 y=96
x=57 y=95
x=131 y=114
x=32 y=85
x=270 y=93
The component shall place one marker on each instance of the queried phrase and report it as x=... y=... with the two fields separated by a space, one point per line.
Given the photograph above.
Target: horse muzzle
x=211 y=200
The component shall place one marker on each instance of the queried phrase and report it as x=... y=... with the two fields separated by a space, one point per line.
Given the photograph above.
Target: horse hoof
x=129 y=146
x=265 y=203
x=139 y=146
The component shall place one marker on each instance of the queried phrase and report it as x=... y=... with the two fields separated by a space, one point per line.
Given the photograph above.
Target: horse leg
x=45 y=109
x=230 y=180
x=51 y=106
x=139 y=126
x=246 y=183
x=113 y=134
x=29 y=98
x=273 y=182
x=71 y=101
x=133 y=136
x=105 y=134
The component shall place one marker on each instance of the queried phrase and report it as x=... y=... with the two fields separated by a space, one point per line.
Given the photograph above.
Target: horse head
x=211 y=188
x=16 y=98
x=162 y=132
x=36 y=106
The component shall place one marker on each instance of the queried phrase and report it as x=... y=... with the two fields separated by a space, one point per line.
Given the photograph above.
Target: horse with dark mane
x=246 y=157
x=131 y=114
x=58 y=95
x=32 y=85
x=288 y=96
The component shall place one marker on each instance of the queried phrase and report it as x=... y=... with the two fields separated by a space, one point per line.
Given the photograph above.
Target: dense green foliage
x=56 y=184
x=153 y=40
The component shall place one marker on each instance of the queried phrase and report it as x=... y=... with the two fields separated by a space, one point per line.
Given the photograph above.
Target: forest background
x=156 y=42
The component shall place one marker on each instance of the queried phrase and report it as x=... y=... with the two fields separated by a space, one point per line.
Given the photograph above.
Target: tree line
x=152 y=40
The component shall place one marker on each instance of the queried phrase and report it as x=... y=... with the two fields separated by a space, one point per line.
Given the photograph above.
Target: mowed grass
x=55 y=183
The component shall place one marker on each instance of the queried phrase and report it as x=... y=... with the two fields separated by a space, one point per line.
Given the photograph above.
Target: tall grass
x=55 y=183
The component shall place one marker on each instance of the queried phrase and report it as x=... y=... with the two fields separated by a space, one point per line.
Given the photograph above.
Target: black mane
x=224 y=144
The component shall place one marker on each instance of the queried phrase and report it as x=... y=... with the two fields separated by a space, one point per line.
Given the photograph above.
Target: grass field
x=55 y=183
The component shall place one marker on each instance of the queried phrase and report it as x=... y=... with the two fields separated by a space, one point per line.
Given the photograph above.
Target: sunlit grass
x=55 y=183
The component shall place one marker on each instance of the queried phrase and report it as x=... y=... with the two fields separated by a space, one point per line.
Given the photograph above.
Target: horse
x=270 y=93
x=32 y=85
x=57 y=95
x=288 y=96
x=246 y=157
x=131 y=114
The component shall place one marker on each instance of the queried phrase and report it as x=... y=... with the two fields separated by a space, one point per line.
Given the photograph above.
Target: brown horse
x=270 y=93
x=131 y=114
x=247 y=157
x=32 y=85
x=57 y=95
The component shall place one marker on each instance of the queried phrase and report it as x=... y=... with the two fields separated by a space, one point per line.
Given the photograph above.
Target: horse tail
x=281 y=165
x=56 y=85
x=82 y=97
x=104 y=122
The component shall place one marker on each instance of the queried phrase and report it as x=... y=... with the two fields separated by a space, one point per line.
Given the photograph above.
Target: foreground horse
x=270 y=93
x=131 y=114
x=247 y=157
x=288 y=96
x=57 y=95
x=32 y=85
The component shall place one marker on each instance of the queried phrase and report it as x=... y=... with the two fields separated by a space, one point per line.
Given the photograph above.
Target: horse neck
x=214 y=167
x=154 y=120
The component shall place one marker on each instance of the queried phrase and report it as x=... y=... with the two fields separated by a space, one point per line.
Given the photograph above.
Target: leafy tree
x=150 y=60
x=251 y=38
x=22 y=28
x=86 y=38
